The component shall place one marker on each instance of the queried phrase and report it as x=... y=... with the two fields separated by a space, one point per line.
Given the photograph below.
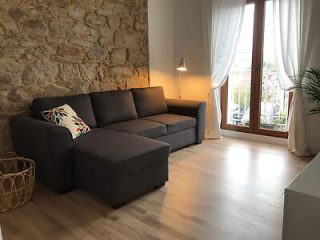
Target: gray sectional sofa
x=126 y=153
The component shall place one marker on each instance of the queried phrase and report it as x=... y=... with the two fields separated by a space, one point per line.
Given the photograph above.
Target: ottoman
x=119 y=167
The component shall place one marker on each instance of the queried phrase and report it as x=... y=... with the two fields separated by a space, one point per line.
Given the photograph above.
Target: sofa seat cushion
x=139 y=127
x=174 y=123
x=113 y=106
x=115 y=153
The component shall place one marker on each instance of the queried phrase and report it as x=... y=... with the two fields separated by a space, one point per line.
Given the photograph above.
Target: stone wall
x=65 y=47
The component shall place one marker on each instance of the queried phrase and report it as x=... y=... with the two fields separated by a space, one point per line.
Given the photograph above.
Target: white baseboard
x=255 y=137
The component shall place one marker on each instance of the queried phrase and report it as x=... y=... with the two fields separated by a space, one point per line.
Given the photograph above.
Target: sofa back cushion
x=149 y=101
x=113 y=106
x=81 y=104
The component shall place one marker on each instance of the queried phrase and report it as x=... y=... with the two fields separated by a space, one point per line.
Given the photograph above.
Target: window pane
x=274 y=101
x=239 y=81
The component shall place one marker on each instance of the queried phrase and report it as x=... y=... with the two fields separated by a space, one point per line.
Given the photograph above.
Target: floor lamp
x=182 y=67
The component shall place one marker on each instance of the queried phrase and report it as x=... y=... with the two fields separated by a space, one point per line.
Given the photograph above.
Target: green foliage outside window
x=244 y=98
x=311 y=89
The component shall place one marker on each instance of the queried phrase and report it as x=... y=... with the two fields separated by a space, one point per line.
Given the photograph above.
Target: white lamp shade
x=182 y=66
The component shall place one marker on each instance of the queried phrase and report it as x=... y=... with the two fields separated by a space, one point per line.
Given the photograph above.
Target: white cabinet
x=301 y=219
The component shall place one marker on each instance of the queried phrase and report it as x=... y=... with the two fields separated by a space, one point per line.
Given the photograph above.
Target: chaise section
x=118 y=167
x=140 y=127
x=195 y=109
x=175 y=123
x=51 y=148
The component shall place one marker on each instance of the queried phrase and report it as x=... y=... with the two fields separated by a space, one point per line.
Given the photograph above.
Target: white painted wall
x=174 y=32
x=161 y=46
x=313 y=122
x=188 y=43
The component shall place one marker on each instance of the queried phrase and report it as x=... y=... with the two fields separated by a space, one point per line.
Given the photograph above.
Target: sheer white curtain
x=292 y=23
x=222 y=26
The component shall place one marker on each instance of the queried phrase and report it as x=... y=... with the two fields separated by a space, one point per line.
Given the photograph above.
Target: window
x=274 y=101
x=252 y=100
x=239 y=81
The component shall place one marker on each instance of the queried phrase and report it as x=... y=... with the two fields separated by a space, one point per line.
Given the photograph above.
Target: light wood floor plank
x=226 y=189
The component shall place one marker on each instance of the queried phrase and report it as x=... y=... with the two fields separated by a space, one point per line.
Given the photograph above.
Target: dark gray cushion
x=180 y=139
x=174 y=123
x=139 y=127
x=113 y=106
x=81 y=104
x=117 y=153
x=196 y=109
x=149 y=101
x=50 y=146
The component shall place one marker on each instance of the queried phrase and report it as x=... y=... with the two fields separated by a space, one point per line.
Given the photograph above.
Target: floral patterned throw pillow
x=65 y=116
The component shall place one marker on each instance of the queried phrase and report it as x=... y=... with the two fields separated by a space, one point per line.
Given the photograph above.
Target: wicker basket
x=17 y=176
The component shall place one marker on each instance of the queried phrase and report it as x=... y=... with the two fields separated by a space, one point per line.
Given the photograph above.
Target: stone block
x=76 y=13
x=35 y=26
x=119 y=56
x=65 y=50
x=123 y=71
x=128 y=40
x=39 y=71
x=53 y=90
x=114 y=21
x=88 y=72
x=99 y=54
x=5 y=78
x=16 y=13
x=69 y=72
x=109 y=9
x=94 y=20
x=2 y=30
x=138 y=57
x=82 y=31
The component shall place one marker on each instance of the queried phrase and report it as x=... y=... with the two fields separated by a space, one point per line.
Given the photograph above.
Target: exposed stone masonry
x=65 y=47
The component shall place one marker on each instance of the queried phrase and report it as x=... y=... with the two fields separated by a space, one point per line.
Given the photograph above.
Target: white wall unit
x=175 y=31
x=301 y=219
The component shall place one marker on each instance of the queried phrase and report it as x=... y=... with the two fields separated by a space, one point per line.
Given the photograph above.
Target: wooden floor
x=221 y=190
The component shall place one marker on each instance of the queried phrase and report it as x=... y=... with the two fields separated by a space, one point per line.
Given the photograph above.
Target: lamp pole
x=179 y=87
x=182 y=67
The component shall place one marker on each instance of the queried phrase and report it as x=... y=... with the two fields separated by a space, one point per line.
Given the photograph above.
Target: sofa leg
x=160 y=186
x=117 y=206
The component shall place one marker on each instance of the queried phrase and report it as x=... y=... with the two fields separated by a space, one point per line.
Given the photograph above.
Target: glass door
x=239 y=80
x=252 y=100
x=274 y=102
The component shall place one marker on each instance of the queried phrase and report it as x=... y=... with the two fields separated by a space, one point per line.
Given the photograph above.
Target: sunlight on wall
x=194 y=87
x=167 y=81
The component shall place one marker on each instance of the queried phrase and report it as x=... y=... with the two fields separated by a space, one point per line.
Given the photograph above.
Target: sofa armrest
x=50 y=146
x=196 y=109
